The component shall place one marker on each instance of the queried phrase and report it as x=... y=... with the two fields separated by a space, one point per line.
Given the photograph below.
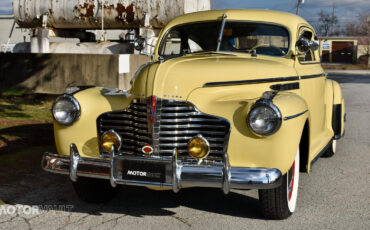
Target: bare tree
x=327 y=22
x=361 y=27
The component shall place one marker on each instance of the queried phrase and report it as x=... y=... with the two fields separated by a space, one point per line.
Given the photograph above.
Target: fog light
x=198 y=147
x=109 y=139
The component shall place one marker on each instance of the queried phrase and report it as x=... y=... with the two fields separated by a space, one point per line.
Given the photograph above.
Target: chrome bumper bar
x=178 y=174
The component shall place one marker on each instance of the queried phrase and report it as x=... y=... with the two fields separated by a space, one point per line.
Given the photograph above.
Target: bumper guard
x=178 y=175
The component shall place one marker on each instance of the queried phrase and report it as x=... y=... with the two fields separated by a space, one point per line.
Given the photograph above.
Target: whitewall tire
x=280 y=203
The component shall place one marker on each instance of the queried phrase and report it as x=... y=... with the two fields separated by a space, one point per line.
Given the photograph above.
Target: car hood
x=178 y=77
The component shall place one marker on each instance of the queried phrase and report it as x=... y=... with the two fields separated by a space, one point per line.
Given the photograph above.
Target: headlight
x=66 y=110
x=264 y=118
x=198 y=147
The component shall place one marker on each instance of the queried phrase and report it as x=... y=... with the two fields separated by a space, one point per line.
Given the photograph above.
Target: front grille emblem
x=147 y=150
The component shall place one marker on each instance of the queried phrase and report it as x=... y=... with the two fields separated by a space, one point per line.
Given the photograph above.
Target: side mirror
x=304 y=45
x=314 y=45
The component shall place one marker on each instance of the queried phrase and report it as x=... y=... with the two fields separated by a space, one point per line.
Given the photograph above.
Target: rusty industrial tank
x=87 y=14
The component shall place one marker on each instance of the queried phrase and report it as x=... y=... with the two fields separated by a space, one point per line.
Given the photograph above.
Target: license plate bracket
x=143 y=171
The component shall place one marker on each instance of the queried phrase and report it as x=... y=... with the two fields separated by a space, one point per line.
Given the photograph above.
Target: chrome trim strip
x=312 y=76
x=255 y=81
x=258 y=81
x=294 y=116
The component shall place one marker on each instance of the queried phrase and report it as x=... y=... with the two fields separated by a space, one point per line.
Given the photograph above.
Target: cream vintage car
x=233 y=99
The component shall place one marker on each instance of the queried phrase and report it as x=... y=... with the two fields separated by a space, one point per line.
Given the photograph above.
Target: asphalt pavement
x=335 y=195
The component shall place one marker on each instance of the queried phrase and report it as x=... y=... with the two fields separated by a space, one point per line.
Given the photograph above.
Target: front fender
x=84 y=131
x=245 y=149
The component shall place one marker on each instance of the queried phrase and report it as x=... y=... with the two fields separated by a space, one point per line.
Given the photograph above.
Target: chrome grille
x=131 y=124
x=180 y=121
x=175 y=123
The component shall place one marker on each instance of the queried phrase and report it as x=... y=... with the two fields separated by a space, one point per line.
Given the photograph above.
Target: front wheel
x=279 y=203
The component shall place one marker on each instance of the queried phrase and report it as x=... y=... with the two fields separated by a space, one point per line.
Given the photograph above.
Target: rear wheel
x=94 y=190
x=279 y=203
x=331 y=149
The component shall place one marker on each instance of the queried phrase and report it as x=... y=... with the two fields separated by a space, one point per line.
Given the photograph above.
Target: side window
x=172 y=45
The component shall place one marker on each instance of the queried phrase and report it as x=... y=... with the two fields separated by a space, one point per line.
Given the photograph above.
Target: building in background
x=345 y=50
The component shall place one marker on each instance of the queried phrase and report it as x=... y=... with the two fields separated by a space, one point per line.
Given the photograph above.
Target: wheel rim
x=292 y=184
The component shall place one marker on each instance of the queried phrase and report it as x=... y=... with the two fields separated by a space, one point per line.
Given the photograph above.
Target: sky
x=346 y=10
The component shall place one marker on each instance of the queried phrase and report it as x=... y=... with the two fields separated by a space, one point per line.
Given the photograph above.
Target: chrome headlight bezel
x=77 y=111
x=278 y=117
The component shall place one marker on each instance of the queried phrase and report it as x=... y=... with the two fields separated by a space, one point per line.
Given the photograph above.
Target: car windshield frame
x=160 y=50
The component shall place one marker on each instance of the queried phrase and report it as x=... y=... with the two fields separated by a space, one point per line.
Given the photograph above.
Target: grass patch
x=25 y=108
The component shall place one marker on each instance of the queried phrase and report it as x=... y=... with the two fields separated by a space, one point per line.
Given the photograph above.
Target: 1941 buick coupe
x=233 y=99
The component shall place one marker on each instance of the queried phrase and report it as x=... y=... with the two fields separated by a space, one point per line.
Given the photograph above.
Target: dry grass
x=25 y=133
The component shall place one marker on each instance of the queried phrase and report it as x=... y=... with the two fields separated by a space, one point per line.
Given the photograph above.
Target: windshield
x=244 y=37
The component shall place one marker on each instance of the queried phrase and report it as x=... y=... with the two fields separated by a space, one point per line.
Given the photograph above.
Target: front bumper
x=177 y=173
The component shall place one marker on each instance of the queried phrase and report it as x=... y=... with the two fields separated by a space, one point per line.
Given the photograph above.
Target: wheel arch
x=304 y=147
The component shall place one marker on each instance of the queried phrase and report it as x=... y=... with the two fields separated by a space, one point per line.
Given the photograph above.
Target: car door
x=312 y=84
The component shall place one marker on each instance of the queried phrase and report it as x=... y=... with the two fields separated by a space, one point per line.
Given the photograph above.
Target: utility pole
x=300 y=2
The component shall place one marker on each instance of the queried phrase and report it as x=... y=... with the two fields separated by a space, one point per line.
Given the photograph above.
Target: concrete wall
x=6 y=23
x=52 y=73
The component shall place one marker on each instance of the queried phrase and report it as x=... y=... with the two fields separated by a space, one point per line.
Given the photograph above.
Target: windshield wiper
x=221 y=32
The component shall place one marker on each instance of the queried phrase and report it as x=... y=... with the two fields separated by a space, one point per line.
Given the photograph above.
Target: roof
x=291 y=21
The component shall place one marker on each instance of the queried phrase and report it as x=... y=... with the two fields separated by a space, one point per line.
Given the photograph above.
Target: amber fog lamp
x=109 y=139
x=198 y=147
